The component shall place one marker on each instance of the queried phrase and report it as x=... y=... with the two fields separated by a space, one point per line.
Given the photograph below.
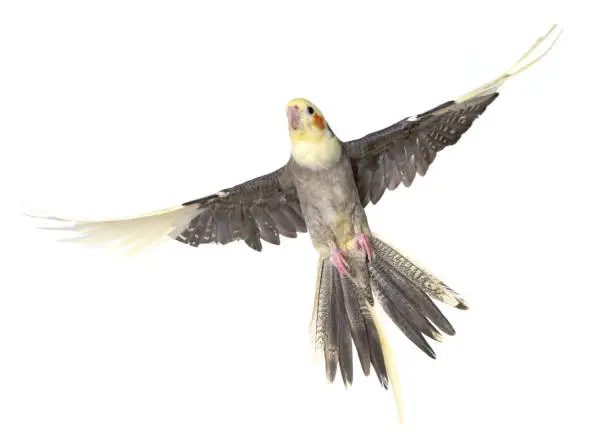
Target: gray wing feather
x=392 y=172
x=267 y=228
x=382 y=159
x=262 y=208
x=294 y=217
x=249 y=231
x=223 y=227
x=283 y=224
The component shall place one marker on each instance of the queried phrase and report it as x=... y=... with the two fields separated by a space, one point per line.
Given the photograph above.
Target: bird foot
x=339 y=261
x=363 y=242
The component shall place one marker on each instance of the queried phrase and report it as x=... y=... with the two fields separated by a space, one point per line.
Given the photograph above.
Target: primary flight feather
x=323 y=190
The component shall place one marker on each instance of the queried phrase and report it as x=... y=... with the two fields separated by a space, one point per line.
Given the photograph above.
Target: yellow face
x=305 y=121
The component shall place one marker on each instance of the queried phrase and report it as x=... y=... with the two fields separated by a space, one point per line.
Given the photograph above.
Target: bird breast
x=317 y=156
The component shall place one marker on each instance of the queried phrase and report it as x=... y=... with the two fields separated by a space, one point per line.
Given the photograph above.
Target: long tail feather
x=411 y=292
x=345 y=346
x=404 y=298
x=331 y=341
x=326 y=327
x=391 y=368
x=377 y=356
x=344 y=312
x=419 y=277
x=131 y=234
x=354 y=305
x=403 y=320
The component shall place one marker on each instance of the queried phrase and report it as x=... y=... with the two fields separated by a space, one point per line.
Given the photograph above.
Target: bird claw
x=363 y=242
x=339 y=261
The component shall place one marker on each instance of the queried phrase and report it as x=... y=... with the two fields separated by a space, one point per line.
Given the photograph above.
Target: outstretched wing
x=384 y=159
x=262 y=208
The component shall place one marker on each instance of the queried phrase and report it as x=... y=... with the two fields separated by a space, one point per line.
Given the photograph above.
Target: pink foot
x=363 y=241
x=340 y=262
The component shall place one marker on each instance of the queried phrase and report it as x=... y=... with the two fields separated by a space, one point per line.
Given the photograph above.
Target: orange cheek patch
x=319 y=122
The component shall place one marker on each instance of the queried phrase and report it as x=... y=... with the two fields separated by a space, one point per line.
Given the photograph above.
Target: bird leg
x=363 y=242
x=339 y=261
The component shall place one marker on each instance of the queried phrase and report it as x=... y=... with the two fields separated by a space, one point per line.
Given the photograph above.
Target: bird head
x=313 y=145
x=306 y=122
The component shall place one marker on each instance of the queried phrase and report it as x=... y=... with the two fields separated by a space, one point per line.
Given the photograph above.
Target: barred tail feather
x=344 y=311
x=412 y=325
x=345 y=345
x=354 y=305
x=132 y=234
x=424 y=283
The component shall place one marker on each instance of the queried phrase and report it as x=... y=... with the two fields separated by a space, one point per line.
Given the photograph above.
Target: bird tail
x=131 y=234
x=344 y=312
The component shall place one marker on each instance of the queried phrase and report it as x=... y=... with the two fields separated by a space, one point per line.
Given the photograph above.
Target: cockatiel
x=323 y=190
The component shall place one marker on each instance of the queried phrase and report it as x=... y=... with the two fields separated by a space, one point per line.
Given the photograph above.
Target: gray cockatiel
x=323 y=190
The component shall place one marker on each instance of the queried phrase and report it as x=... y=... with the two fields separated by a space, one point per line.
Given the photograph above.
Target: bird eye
x=310 y=110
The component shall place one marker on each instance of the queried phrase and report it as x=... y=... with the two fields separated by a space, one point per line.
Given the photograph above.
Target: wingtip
x=41 y=216
x=527 y=60
x=552 y=29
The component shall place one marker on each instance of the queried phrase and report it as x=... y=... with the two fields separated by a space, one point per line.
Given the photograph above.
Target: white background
x=124 y=107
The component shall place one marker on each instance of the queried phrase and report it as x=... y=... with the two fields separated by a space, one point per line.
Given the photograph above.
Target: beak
x=293 y=114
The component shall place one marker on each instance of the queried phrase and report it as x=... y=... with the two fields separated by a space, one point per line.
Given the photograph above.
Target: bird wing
x=261 y=208
x=384 y=159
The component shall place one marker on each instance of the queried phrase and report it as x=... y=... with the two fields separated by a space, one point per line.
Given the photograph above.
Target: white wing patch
x=132 y=234
x=524 y=62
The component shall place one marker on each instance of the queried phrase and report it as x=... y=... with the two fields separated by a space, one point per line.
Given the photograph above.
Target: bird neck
x=316 y=154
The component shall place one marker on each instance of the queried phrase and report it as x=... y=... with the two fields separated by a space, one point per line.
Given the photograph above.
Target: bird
x=323 y=190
